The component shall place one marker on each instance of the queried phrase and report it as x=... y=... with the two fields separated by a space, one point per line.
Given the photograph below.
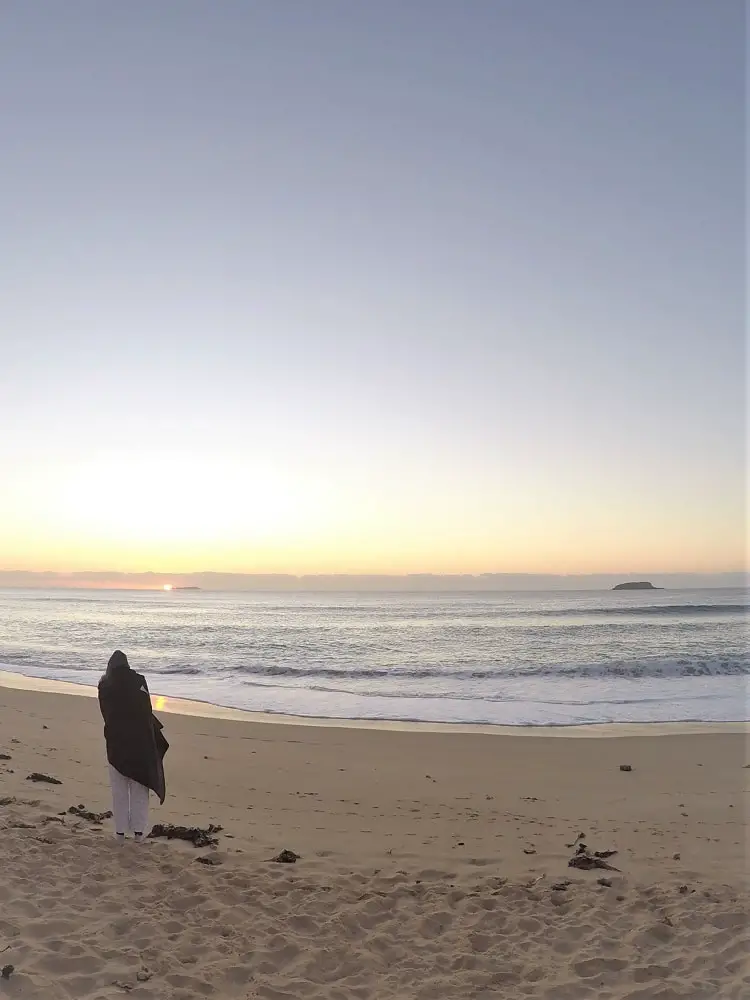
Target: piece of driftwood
x=534 y=881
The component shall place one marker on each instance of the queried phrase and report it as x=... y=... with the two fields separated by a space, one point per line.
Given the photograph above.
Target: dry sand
x=413 y=880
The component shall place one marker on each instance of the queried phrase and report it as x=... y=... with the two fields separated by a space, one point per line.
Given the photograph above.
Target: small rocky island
x=637 y=585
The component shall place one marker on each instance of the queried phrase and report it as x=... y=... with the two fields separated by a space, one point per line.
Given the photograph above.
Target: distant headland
x=637 y=585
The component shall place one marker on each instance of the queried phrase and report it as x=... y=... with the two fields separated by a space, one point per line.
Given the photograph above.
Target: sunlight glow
x=231 y=515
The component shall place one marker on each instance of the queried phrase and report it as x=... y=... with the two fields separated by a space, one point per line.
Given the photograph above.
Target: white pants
x=129 y=803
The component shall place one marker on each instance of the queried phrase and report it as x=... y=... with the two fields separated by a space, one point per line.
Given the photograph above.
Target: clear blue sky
x=356 y=286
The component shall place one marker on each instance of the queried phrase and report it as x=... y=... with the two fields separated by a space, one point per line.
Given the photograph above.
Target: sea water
x=500 y=658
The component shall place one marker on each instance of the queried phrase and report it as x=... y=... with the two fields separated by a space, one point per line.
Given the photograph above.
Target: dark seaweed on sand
x=195 y=835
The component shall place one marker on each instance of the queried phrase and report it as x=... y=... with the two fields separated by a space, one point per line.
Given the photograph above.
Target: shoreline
x=209 y=710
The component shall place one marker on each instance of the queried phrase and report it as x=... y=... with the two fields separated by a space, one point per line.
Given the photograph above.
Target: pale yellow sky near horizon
x=214 y=515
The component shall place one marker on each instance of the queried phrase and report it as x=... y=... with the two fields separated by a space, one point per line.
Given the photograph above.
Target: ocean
x=518 y=659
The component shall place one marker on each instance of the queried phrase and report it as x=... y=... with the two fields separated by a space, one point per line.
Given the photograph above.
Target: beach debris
x=11 y=800
x=195 y=835
x=529 y=850
x=587 y=863
x=7 y=971
x=561 y=886
x=534 y=881
x=606 y=882
x=5 y=756
x=127 y=987
x=46 y=779
x=581 y=836
x=684 y=890
x=588 y=860
x=208 y=860
x=286 y=857
x=583 y=849
x=92 y=817
x=53 y=819
x=144 y=975
x=676 y=857
x=625 y=767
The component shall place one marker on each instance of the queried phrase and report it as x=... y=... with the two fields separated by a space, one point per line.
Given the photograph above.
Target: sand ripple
x=84 y=918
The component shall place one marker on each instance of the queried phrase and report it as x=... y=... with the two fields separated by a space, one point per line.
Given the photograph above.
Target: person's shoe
x=120 y=838
x=139 y=838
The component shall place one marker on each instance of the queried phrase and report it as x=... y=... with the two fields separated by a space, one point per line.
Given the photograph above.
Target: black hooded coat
x=134 y=738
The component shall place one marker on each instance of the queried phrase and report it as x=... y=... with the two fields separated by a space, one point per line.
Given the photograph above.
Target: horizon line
x=214 y=580
x=379 y=575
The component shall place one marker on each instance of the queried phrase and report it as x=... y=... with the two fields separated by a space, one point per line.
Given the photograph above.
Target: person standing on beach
x=135 y=745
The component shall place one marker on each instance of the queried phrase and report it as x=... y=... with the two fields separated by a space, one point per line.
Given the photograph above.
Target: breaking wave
x=645 y=668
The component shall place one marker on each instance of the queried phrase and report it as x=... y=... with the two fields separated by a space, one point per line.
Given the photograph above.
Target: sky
x=373 y=287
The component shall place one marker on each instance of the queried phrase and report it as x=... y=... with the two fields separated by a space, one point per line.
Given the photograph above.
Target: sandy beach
x=433 y=863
